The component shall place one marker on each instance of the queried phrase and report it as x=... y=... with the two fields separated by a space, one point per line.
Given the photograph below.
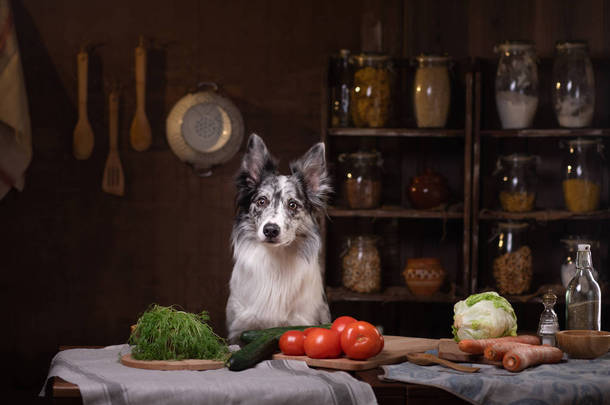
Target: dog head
x=277 y=208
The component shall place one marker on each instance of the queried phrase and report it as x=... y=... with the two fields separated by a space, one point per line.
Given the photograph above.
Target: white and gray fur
x=276 y=279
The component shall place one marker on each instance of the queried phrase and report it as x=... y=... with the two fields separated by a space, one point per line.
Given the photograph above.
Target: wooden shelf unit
x=457 y=212
x=550 y=219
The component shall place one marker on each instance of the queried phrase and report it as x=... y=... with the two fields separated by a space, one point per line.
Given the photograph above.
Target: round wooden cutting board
x=191 y=364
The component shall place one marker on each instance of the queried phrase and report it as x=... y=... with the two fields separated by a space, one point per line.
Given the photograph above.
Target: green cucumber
x=253 y=353
x=251 y=335
x=261 y=344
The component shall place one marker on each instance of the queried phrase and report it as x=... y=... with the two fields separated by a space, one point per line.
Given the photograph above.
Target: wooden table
x=63 y=392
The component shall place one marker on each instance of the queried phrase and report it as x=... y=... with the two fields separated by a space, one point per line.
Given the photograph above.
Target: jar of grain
x=361 y=264
x=517 y=180
x=432 y=91
x=370 y=90
x=583 y=170
x=512 y=264
x=362 y=179
x=516 y=84
x=573 y=89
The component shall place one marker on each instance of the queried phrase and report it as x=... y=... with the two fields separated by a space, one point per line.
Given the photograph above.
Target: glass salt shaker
x=549 y=324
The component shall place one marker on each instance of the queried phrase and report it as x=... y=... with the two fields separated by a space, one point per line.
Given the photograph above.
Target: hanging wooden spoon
x=427 y=359
x=83 y=140
x=113 y=181
x=140 y=134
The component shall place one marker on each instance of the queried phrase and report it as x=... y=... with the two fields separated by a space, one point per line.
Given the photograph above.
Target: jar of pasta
x=512 y=264
x=582 y=170
x=361 y=265
x=517 y=180
x=371 y=90
x=432 y=91
x=516 y=84
x=362 y=179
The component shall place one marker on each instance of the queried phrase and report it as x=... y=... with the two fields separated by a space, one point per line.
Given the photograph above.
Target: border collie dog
x=276 y=279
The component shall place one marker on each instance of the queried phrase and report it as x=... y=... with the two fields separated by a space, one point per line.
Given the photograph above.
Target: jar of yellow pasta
x=583 y=170
x=370 y=90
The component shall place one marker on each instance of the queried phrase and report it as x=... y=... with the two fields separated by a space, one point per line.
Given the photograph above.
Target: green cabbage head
x=483 y=316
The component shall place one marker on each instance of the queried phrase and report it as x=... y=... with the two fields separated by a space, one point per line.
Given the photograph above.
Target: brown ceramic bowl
x=583 y=344
x=424 y=276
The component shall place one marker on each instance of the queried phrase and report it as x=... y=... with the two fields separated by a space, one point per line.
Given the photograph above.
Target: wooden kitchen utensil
x=427 y=359
x=394 y=351
x=83 y=140
x=140 y=134
x=113 y=182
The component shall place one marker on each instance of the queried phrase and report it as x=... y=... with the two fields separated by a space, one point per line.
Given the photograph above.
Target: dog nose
x=271 y=230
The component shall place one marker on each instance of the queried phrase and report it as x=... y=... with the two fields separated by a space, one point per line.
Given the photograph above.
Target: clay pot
x=428 y=190
x=424 y=276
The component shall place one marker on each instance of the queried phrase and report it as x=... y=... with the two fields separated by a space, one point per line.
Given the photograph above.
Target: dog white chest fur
x=276 y=279
x=273 y=286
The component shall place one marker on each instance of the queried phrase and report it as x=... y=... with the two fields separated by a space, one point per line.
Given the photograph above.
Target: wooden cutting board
x=191 y=364
x=394 y=351
x=448 y=349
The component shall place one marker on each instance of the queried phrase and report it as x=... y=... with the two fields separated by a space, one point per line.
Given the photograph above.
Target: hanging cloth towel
x=15 y=130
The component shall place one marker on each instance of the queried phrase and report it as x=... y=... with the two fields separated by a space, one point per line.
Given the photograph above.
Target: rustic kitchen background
x=79 y=265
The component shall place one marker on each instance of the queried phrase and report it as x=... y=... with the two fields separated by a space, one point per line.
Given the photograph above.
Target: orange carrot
x=496 y=351
x=477 y=346
x=526 y=356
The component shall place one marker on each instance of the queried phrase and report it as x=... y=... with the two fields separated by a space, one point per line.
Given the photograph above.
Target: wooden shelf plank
x=398 y=132
x=545 y=133
x=390 y=294
x=394 y=211
x=544 y=215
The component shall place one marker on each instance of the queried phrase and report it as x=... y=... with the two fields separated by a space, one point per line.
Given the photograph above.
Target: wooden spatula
x=83 y=140
x=427 y=359
x=140 y=134
x=114 y=181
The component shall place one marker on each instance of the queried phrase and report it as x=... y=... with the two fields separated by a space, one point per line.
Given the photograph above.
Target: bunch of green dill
x=165 y=333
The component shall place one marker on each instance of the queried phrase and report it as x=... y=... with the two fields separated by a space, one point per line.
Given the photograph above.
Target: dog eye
x=261 y=201
x=293 y=205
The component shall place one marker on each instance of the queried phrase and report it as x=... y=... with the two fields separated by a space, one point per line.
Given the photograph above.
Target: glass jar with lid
x=570 y=248
x=361 y=265
x=512 y=264
x=573 y=88
x=362 y=179
x=432 y=91
x=583 y=170
x=516 y=174
x=516 y=84
x=371 y=90
x=338 y=88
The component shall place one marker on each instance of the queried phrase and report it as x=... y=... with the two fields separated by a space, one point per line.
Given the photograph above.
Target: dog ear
x=257 y=160
x=311 y=170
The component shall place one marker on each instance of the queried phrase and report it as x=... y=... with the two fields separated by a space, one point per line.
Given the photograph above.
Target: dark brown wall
x=79 y=265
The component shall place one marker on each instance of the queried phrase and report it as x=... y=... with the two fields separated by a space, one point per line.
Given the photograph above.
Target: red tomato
x=341 y=322
x=361 y=340
x=323 y=344
x=308 y=330
x=291 y=343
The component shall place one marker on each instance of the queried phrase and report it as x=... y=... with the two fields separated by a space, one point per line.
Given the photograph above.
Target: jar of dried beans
x=517 y=180
x=361 y=264
x=512 y=264
x=583 y=171
x=362 y=179
x=370 y=90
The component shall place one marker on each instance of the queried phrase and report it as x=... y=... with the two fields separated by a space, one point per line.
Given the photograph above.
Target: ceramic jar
x=429 y=190
x=424 y=276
